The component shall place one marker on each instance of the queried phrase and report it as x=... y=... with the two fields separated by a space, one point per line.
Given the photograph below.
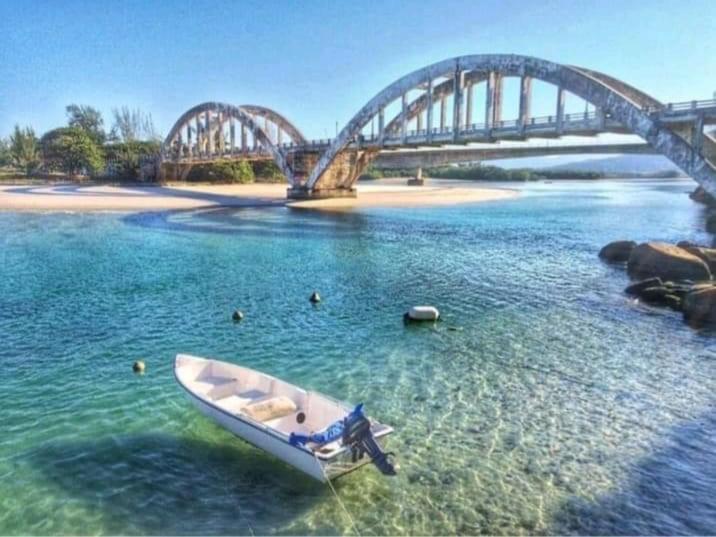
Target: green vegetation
x=236 y=171
x=88 y=119
x=73 y=151
x=24 y=150
x=222 y=171
x=132 y=125
x=266 y=171
x=124 y=159
x=82 y=148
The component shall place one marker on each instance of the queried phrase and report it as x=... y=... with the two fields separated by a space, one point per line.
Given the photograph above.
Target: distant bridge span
x=436 y=157
x=330 y=168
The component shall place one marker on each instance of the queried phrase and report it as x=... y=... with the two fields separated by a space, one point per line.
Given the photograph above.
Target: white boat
x=290 y=423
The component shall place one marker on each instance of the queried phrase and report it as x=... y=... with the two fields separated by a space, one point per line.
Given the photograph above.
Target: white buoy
x=423 y=313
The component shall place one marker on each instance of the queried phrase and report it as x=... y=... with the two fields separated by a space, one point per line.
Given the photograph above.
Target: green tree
x=24 y=151
x=124 y=159
x=73 y=151
x=133 y=125
x=88 y=119
x=5 y=156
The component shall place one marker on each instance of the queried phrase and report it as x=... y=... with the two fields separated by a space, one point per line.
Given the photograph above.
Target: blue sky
x=319 y=62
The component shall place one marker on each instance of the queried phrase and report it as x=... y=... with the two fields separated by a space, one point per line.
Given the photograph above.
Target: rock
x=138 y=367
x=706 y=254
x=701 y=196
x=700 y=306
x=661 y=296
x=687 y=244
x=711 y=223
x=666 y=261
x=315 y=298
x=617 y=251
x=635 y=289
x=678 y=289
x=237 y=316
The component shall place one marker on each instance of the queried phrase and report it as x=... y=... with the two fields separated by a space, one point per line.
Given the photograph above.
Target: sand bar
x=74 y=197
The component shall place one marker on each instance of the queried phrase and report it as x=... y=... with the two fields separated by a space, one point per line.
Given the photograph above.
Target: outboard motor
x=354 y=430
x=357 y=435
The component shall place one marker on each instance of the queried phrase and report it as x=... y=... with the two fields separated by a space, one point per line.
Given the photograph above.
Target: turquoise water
x=545 y=401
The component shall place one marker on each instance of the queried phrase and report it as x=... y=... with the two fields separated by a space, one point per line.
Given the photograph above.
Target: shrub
x=222 y=171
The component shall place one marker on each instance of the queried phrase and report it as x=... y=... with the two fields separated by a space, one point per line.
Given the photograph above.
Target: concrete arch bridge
x=432 y=110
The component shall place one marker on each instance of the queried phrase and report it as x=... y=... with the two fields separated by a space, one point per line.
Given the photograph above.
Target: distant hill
x=621 y=165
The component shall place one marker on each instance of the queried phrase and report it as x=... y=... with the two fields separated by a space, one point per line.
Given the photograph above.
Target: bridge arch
x=207 y=123
x=615 y=99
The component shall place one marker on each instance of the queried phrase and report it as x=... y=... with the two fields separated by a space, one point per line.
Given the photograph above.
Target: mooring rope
x=340 y=502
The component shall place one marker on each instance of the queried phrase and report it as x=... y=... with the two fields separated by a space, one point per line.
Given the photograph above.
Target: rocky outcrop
x=708 y=255
x=617 y=251
x=666 y=261
x=700 y=306
x=701 y=196
x=678 y=276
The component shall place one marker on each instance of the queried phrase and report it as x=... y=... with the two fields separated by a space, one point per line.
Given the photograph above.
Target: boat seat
x=204 y=385
x=270 y=409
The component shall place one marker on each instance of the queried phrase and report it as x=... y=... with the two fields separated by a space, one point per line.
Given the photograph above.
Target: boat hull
x=299 y=457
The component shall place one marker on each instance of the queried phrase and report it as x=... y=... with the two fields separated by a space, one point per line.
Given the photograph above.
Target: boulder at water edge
x=617 y=251
x=666 y=261
x=700 y=306
x=706 y=254
x=701 y=196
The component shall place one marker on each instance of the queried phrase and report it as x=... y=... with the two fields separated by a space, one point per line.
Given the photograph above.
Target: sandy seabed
x=74 y=197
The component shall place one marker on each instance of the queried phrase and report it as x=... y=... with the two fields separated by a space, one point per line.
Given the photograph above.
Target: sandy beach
x=74 y=197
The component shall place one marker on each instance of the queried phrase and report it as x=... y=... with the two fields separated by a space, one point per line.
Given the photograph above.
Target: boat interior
x=252 y=395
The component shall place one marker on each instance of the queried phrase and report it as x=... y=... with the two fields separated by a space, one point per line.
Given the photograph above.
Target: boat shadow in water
x=162 y=484
x=670 y=492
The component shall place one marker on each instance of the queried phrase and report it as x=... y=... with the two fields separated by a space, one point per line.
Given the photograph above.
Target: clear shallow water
x=544 y=403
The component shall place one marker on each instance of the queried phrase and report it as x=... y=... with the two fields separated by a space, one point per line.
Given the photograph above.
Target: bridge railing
x=684 y=106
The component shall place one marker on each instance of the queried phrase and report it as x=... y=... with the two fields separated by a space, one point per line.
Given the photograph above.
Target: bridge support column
x=525 y=102
x=490 y=101
x=381 y=126
x=429 y=118
x=601 y=117
x=457 y=104
x=199 y=137
x=404 y=118
x=560 y=109
x=443 y=113
x=497 y=99
x=209 y=137
x=468 y=105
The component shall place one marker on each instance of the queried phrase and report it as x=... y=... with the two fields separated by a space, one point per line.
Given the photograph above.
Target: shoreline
x=71 y=197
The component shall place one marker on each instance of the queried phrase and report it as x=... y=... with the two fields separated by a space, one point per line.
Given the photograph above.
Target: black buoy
x=315 y=298
x=138 y=367
x=237 y=316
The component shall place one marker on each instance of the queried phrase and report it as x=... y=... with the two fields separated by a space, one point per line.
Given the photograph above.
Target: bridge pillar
x=404 y=118
x=525 y=102
x=468 y=105
x=497 y=99
x=338 y=179
x=429 y=118
x=560 y=109
x=457 y=104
